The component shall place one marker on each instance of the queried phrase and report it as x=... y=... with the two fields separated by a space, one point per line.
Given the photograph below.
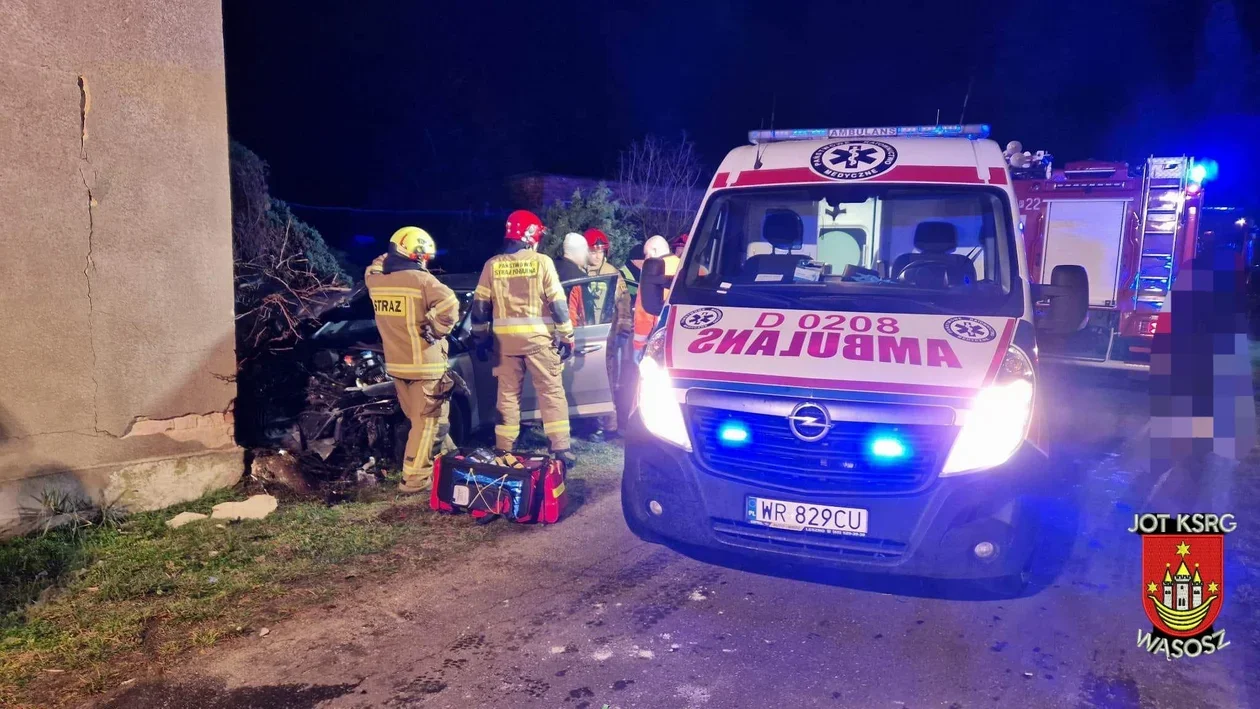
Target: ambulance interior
x=938 y=239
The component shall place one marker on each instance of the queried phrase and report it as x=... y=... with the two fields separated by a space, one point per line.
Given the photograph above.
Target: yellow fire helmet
x=414 y=243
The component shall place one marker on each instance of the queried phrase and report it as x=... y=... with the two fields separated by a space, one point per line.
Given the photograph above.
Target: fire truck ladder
x=1163 y=207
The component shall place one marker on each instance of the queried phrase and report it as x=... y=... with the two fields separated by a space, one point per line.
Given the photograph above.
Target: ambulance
x=845 y=367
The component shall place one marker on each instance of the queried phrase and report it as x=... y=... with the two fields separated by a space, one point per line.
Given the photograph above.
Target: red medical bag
x=530 y=490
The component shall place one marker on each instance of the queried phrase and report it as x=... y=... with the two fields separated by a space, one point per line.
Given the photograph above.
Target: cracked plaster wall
x=115 y=245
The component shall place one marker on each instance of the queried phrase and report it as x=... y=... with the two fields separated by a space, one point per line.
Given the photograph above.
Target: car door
x=585 y=375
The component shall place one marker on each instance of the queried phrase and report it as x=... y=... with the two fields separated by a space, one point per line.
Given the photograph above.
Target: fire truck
x=1131 y=230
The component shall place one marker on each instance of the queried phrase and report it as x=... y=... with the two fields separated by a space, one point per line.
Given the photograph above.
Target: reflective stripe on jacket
x=643 y=320
x=404 y=302
x=520 y=294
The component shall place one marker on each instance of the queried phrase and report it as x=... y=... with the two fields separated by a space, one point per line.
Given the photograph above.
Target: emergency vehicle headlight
x=658 y=406
x=997 y=422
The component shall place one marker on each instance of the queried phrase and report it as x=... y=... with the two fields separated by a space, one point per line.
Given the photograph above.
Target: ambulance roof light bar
x=972 y=131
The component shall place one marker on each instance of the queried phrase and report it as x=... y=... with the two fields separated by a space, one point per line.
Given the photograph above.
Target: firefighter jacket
x=643 y=320
x=406 y=297
x=520 y=293
x=623 y=309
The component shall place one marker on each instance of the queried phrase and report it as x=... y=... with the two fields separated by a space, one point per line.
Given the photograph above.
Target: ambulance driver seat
x=935 y=265
x=783 y=230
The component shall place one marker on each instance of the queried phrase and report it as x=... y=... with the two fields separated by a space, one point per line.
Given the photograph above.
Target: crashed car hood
x=932 y=355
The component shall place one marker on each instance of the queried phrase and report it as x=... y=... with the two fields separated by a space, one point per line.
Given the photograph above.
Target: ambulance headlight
x=998 y=421
x=658 y=405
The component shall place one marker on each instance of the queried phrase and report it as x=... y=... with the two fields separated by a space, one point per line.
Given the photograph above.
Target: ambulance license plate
x=805 y=517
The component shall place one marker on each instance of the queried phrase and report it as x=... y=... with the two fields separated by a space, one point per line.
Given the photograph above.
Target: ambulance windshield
x=891 y=249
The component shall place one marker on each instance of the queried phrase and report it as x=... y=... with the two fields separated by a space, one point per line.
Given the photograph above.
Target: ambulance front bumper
x=939 y=531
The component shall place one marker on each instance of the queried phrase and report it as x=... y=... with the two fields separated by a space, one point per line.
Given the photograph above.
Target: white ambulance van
x=845 y=370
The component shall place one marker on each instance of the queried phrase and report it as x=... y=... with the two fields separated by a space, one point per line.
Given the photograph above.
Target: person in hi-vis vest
x=519 y=300
x=414 y=314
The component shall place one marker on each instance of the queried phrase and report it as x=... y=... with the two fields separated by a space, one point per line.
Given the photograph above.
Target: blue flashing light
x=1198 y=173
x=888 y=448
x=734 y=433
x=972 y=131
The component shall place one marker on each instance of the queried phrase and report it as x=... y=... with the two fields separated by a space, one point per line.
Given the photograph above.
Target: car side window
x=598 y=299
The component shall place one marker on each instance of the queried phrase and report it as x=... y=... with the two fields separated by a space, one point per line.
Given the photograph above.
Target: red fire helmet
x=596 y=239
x=524 y=225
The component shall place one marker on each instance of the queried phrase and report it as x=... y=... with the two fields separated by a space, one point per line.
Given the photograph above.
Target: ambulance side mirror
x=652 y=285
x=1068 y=294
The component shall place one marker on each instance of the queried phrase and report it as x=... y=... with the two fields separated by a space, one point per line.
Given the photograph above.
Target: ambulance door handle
x=587 y=349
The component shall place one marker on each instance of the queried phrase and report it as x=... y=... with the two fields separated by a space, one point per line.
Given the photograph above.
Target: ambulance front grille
x=839 y=463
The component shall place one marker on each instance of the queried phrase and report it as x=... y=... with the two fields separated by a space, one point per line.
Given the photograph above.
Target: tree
x=659 y=182
x=284 y=273
x=596 y=209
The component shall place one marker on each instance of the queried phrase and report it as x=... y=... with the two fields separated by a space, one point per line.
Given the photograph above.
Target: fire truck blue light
x=888 y=447
x=733 y=433
x=1198 y=173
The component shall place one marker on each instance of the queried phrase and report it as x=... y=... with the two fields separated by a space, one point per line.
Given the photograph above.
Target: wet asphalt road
x=584 y=615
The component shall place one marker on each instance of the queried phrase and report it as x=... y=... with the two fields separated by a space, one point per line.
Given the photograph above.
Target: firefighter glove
x=565 y=347
x=428 y=334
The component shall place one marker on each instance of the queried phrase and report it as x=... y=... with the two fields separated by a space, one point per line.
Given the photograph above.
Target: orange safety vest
x=643 y=320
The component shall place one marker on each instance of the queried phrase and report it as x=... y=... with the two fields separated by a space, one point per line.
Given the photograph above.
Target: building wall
x=115 y=250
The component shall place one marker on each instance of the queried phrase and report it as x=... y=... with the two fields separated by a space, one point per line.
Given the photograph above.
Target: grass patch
x=83 y=609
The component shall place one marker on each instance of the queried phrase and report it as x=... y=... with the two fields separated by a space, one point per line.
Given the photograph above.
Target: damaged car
x=352 y=412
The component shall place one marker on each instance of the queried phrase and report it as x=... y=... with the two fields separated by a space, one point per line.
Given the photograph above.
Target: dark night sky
x=420 y=104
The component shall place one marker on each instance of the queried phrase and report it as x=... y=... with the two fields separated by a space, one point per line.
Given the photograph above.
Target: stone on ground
x=256 y=507
x=183 y=518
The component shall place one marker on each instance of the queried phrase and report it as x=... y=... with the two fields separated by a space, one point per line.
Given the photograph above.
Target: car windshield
x=885 y=249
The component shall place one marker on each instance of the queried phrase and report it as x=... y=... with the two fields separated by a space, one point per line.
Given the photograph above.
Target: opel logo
x=809 y=422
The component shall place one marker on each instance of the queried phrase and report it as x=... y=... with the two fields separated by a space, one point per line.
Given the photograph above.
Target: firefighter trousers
x=545 y=370
x=426 y=404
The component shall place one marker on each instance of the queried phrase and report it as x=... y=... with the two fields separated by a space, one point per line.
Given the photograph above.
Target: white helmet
x=656 y=247
x=575 y=248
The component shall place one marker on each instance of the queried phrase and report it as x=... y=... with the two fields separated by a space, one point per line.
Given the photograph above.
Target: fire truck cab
x=1131 y=230
x=846 y=370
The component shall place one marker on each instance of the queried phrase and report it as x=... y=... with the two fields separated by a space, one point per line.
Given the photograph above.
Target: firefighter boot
x=567 y=457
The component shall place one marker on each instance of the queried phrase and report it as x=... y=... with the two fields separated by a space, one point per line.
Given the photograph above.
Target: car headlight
x=658 y=405
x=998 y=420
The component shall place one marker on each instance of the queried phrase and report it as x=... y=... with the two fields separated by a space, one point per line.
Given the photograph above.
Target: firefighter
x=520 y=292
x=656 y=247
x=414 y=314
x=679 y=244
x=619 y=353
